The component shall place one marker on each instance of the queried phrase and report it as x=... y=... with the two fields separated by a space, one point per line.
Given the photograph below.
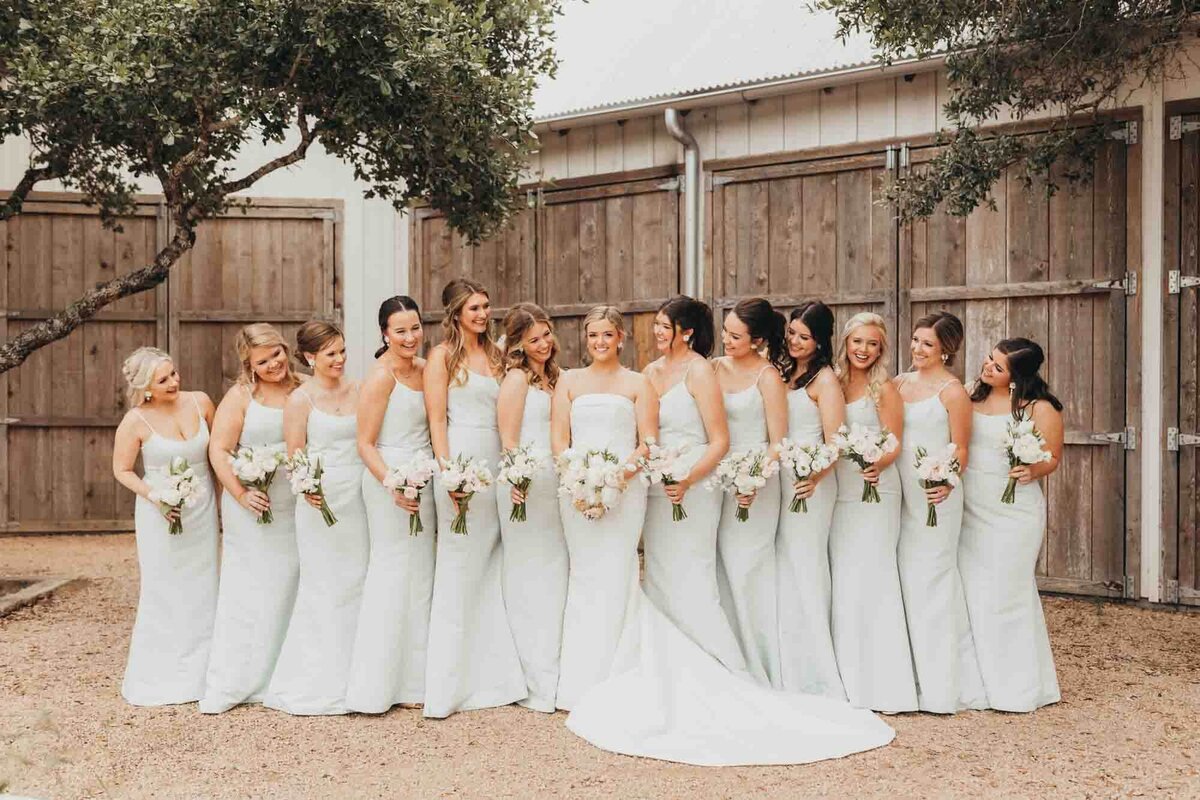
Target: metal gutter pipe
x=693 y=202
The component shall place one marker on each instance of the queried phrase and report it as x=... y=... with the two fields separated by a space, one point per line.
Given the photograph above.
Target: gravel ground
x=1128 y=726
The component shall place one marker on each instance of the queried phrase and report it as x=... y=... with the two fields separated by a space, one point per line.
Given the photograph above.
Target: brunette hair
x=315 y=334
x=947 y=328
x=261 y=334
x=393 y=305
x=687 y=313
x=764 y=322
x=877 y=375
x=1025 y=359
x=454 y=298
x=818 y=318
x=517 y=323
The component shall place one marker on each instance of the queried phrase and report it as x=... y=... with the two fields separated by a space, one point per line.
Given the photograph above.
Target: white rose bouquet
x=662 y=465
x=255 y=468
x=174 y=488
x=742 y=474
x=865 y=446
x=940 y=468
x=409 y=479
x=517 y=468
x=1024 y=445
x=304 y=473
x=464 y=475
x=593 y=481
x=805 y=461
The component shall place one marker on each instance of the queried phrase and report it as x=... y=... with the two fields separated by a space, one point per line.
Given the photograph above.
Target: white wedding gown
x=640 y=686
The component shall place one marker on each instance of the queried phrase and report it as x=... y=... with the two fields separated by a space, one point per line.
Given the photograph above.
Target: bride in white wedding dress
x=634 y=682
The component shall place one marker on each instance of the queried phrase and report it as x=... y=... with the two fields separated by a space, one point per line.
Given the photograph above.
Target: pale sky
x=612 y=50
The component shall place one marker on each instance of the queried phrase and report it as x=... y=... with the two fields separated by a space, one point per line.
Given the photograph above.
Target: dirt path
x=1129 y=724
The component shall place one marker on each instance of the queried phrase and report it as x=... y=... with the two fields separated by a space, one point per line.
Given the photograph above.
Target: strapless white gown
x=640 y=686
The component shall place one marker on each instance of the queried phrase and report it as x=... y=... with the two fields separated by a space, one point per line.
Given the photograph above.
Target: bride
x=634 y=682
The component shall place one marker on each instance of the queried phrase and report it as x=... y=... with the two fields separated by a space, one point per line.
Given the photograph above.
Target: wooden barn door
x=1181 y=373
x=1053 y=269
x=807 y=230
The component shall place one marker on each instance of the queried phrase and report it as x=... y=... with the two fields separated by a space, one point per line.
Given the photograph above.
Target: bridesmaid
x=472 y=660
x=310 y=677
x=168 y=653
x=388 y=662
x=602 y=406
x=869 y=634
x=681 y=557
x=534 y=575
x=816 y=410
x=259 y=563
x=937 y=412
x=756 y=405
x=1000 y=542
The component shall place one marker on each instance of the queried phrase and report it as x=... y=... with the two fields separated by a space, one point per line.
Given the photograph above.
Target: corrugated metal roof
x=625 y=52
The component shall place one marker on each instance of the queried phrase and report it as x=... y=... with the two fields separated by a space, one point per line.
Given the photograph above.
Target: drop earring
x=687 y=338
x=1012 y=387
x=945 y=358
x=147 y=397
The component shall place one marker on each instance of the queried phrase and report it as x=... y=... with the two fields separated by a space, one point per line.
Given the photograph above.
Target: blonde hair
x=139 y=369
x=517 y=323
x=609 y=314
x=261 y=334
x=454 y=298
x=877 y=375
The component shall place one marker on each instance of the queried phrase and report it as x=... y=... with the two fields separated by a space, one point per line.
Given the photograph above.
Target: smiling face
x=164 y=385
x=925 y=348
x=995 y=371
x=603 y=341
x=269 y=363
x=864 y=345
x=475 y=314
x=404 y=333
x=735 y=335
x=538 y=342
x=330 y=361
x=800 y=342
x=667 y=333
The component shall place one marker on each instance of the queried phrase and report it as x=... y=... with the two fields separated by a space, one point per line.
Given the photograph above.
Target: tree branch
x=33 y=176
x=14 y=352
x=286 y=160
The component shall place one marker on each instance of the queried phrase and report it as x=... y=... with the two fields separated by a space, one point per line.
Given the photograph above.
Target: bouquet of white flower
x=517 y=468
x=865 y=446
x=593 y=481
x=1024 y=445
x=175 y=487
x=661 y=465
x=805 y=461
x=255 y=468
x=742 y=474
x=304 y=473
x=409 y=479
x=466 y=476
x=937 y=469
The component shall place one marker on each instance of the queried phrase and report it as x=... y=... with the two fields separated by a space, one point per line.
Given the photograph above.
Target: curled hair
x=393 y=305
x=609 y=314
x=517 y=323
x=818 y=318
x=138 y=370
x=261 y=334
x=315 y=334
x=455 y=295
x=765 y=323
x=947 y=328
x=1025 y=358
x=687 y=313
x=877 y=375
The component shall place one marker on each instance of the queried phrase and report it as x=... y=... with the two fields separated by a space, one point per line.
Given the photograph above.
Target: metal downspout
x=693 y=203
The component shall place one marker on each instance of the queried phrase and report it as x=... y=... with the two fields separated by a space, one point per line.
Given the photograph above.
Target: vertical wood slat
x=1186 y=416
x=4 y=429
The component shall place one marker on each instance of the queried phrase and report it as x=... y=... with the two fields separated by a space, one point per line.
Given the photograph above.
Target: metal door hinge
x=1128 y=589
x=1127 y=133
x=1177 y=439
x=1171 y=592
x=1177 y=282
x=1177 y=127
x=1126 y=438
x=1128 y=284
x=530 y=199
x=905 y=156
x=889 y=157
x=672 y=185
x=721 y=180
